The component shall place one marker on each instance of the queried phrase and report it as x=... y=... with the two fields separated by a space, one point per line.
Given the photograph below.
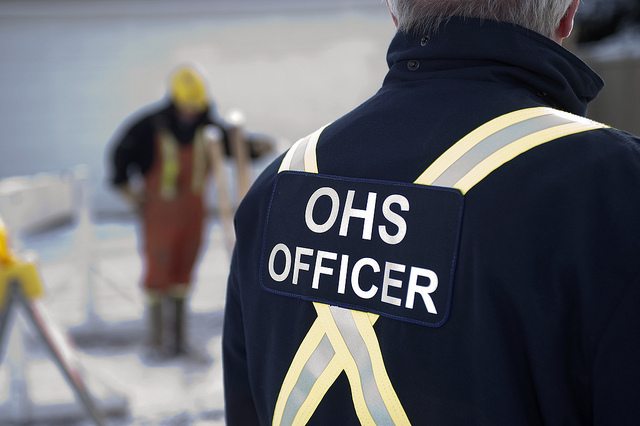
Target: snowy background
x=72 y=71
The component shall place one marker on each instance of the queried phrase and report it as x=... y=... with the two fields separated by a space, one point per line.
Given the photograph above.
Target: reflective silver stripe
x=360 y=353
x=312 y=370
x=297 y=160
x=493 y=143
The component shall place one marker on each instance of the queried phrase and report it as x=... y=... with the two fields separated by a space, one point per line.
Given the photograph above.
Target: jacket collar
x=496 y=52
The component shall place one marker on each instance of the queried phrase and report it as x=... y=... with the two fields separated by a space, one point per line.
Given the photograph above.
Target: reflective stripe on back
x=358 y=349
x=345 y=340
x=312 y=370
x=491 y=144
x=498 y=141
x=297 y=400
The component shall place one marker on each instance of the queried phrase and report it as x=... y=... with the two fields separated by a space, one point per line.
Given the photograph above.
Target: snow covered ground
x=182 y=391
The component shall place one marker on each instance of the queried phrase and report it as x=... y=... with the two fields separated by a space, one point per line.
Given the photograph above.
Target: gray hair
x=425 y=16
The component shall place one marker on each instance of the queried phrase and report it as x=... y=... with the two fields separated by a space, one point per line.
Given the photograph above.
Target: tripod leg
x=5 y=315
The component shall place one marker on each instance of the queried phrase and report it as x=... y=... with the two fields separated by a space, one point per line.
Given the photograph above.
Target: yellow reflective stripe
x=310 y=159
x=458 y=149
x=364 y=321
x=170 y=166
x=517 y=147
x=505 y=126
x=315 y=333
x=318 y=391
x=304 y=149
x=576 y=118
x=337 y=364
x=387 y=392
x=358 y=350
x=344 y=357
x=286 y=161
x=307 y=347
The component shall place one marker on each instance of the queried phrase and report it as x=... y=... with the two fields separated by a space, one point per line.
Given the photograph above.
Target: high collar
x=495 y=52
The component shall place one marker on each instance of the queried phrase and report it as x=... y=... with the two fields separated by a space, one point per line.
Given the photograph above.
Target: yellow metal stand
x=20 y=285
x=24 y=273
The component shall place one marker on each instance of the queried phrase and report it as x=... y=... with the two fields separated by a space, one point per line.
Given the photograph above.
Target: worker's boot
x=179 y=326
x=154 y=312
x=154 y=348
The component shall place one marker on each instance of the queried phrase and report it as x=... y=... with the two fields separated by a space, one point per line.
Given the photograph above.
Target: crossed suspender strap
x=344 y=340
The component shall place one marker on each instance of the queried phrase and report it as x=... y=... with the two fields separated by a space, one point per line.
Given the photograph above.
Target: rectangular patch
x=383 y=247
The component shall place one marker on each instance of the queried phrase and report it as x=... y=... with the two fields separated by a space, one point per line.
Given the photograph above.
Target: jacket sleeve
x=132 y=151
x=122 y=157
x=616 y=369
x=615 y=380
x=239 y=405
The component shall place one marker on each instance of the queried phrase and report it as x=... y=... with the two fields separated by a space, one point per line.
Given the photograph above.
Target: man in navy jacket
x=460 y=249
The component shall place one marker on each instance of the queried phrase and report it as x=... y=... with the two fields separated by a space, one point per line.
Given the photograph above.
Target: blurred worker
x=167 y=146
x=461 y=249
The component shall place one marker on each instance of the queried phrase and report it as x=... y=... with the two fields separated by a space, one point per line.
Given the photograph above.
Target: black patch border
x=454 y=257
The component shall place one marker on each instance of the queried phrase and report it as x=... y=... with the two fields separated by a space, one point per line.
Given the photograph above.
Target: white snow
x=183 y=391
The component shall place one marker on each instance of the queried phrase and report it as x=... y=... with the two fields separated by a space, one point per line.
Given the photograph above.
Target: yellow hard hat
x=188 y=89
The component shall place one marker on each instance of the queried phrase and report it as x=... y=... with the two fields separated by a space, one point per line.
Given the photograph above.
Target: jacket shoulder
x=257 y=199
x=611 y=153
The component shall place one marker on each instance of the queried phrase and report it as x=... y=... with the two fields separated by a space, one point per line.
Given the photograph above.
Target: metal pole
x=61 y=354
x=225 y=209
x=240 y=152
x=84 y=244
x=5 y=316
x=19 y=403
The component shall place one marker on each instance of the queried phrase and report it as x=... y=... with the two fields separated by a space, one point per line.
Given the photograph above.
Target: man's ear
x=566 y=23
x=393 y=16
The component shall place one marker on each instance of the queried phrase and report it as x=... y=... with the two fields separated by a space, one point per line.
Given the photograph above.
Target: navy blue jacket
x=544 y=325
